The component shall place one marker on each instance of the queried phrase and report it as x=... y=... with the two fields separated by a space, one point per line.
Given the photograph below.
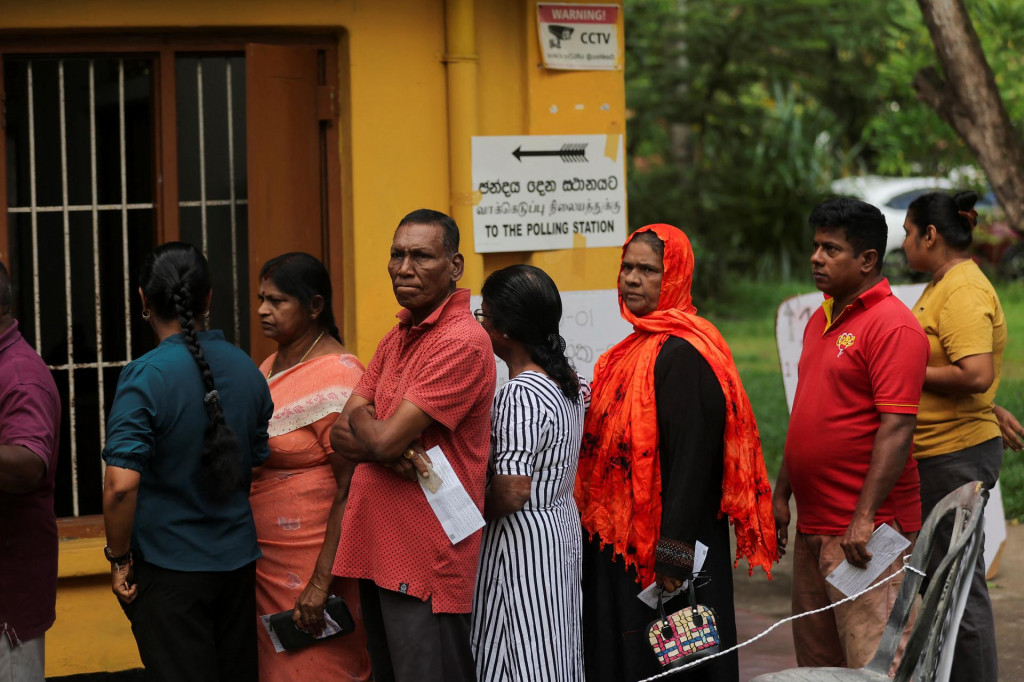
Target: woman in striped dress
x=527 y=607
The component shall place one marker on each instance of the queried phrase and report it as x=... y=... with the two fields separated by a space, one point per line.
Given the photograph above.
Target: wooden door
x=284 y=166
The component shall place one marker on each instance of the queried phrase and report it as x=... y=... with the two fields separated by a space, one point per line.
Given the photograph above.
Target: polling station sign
x=580 y=37
x=544 y=192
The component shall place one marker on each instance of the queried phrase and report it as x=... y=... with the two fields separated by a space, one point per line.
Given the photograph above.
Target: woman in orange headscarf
x=670 y=454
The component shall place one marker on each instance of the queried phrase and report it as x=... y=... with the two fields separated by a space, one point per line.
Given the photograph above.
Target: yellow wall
x=515 y=96
x=394 y=151
x=566 y=102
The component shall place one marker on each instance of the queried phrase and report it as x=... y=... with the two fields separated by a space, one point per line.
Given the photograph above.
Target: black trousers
x=408 y=642
x=195 y=626
x=974 y=659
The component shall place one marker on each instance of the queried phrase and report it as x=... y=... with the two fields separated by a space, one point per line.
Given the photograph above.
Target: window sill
x=80 y=547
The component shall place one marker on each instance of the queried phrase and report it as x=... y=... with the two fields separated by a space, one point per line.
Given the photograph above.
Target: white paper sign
x=454 y=508
x=542 y=192
x=581 y=37
x=591 y=324
x=885 y=545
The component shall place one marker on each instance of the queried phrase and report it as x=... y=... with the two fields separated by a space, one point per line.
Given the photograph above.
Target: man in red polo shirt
x=848 y=450
x=431 y=380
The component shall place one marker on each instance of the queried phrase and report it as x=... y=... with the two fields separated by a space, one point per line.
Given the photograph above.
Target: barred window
x=108 y=155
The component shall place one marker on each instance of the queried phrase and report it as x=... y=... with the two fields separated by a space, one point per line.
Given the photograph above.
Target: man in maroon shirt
x=29 y=428
x=430 y=382
x=847 y=459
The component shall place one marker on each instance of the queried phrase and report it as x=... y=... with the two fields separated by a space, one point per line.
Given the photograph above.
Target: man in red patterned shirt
x=431 y=382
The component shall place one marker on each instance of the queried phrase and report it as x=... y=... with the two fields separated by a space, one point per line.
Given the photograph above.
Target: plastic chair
x=928 y=656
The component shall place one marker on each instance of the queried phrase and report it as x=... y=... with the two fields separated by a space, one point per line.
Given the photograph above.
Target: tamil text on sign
x=543 y=192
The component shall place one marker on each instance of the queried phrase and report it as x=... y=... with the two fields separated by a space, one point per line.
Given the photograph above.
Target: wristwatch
x=119 y=560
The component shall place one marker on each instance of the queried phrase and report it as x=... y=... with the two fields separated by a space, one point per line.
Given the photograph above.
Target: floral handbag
x=685 y=635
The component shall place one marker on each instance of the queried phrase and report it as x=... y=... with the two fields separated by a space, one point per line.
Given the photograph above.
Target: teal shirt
x=156 y=427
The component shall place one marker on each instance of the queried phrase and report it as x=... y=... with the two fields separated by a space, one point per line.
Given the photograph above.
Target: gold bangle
x=311 y=582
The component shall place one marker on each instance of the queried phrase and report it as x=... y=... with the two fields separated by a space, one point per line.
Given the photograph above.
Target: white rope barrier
x=705 y=659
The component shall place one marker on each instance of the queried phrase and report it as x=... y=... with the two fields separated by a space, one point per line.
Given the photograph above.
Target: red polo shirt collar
x=862 y=302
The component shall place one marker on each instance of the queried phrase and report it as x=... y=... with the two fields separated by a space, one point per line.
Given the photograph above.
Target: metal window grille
x=212 y=180
x=81 y=174
x=42 y=246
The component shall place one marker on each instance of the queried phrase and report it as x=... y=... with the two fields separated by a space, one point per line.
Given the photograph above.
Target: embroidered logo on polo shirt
x=844 y=341
x=403 y=588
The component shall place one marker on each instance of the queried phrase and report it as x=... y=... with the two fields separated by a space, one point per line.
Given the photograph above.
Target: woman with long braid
x=188 y=424
x=527 y=606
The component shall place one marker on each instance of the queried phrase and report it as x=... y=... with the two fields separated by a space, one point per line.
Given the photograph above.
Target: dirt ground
x=760 y=603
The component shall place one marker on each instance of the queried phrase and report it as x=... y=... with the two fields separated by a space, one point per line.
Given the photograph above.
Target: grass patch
x=745 y=314
x=1011 y=394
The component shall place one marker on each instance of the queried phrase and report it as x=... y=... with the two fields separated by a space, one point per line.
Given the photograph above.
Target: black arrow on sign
x=570 y=153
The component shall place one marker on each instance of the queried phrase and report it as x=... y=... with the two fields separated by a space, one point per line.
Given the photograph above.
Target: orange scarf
x=618 y=484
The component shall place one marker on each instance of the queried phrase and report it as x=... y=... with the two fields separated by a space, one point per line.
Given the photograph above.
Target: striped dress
x=527 y=606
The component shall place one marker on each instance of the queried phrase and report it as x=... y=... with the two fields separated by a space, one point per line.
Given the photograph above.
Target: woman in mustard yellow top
x=957 y=439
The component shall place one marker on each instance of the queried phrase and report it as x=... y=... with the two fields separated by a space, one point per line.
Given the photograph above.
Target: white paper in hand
x=885 y=545
x=452 y=505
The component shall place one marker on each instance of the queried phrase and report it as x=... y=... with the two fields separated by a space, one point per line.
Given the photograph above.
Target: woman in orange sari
x=670 y=454
x=298 y=496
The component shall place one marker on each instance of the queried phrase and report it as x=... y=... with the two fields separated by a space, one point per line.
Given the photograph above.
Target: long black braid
x=176 y=279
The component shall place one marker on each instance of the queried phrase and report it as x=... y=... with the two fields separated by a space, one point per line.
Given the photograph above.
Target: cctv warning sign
x=581 y=37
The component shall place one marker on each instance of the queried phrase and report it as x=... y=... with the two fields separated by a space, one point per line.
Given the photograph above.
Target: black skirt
x=615 y=644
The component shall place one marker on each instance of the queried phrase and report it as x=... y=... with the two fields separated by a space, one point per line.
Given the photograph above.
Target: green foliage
x=905 y=136
x=1011 y=393
x=742 y=112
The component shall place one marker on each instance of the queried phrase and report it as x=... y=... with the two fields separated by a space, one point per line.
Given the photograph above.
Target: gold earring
x=145 y=314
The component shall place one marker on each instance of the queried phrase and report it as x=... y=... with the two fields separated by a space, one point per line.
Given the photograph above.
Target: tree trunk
x=969 y=101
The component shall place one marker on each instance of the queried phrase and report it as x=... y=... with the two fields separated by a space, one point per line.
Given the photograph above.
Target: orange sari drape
x=291 y=497
x=618 y=484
